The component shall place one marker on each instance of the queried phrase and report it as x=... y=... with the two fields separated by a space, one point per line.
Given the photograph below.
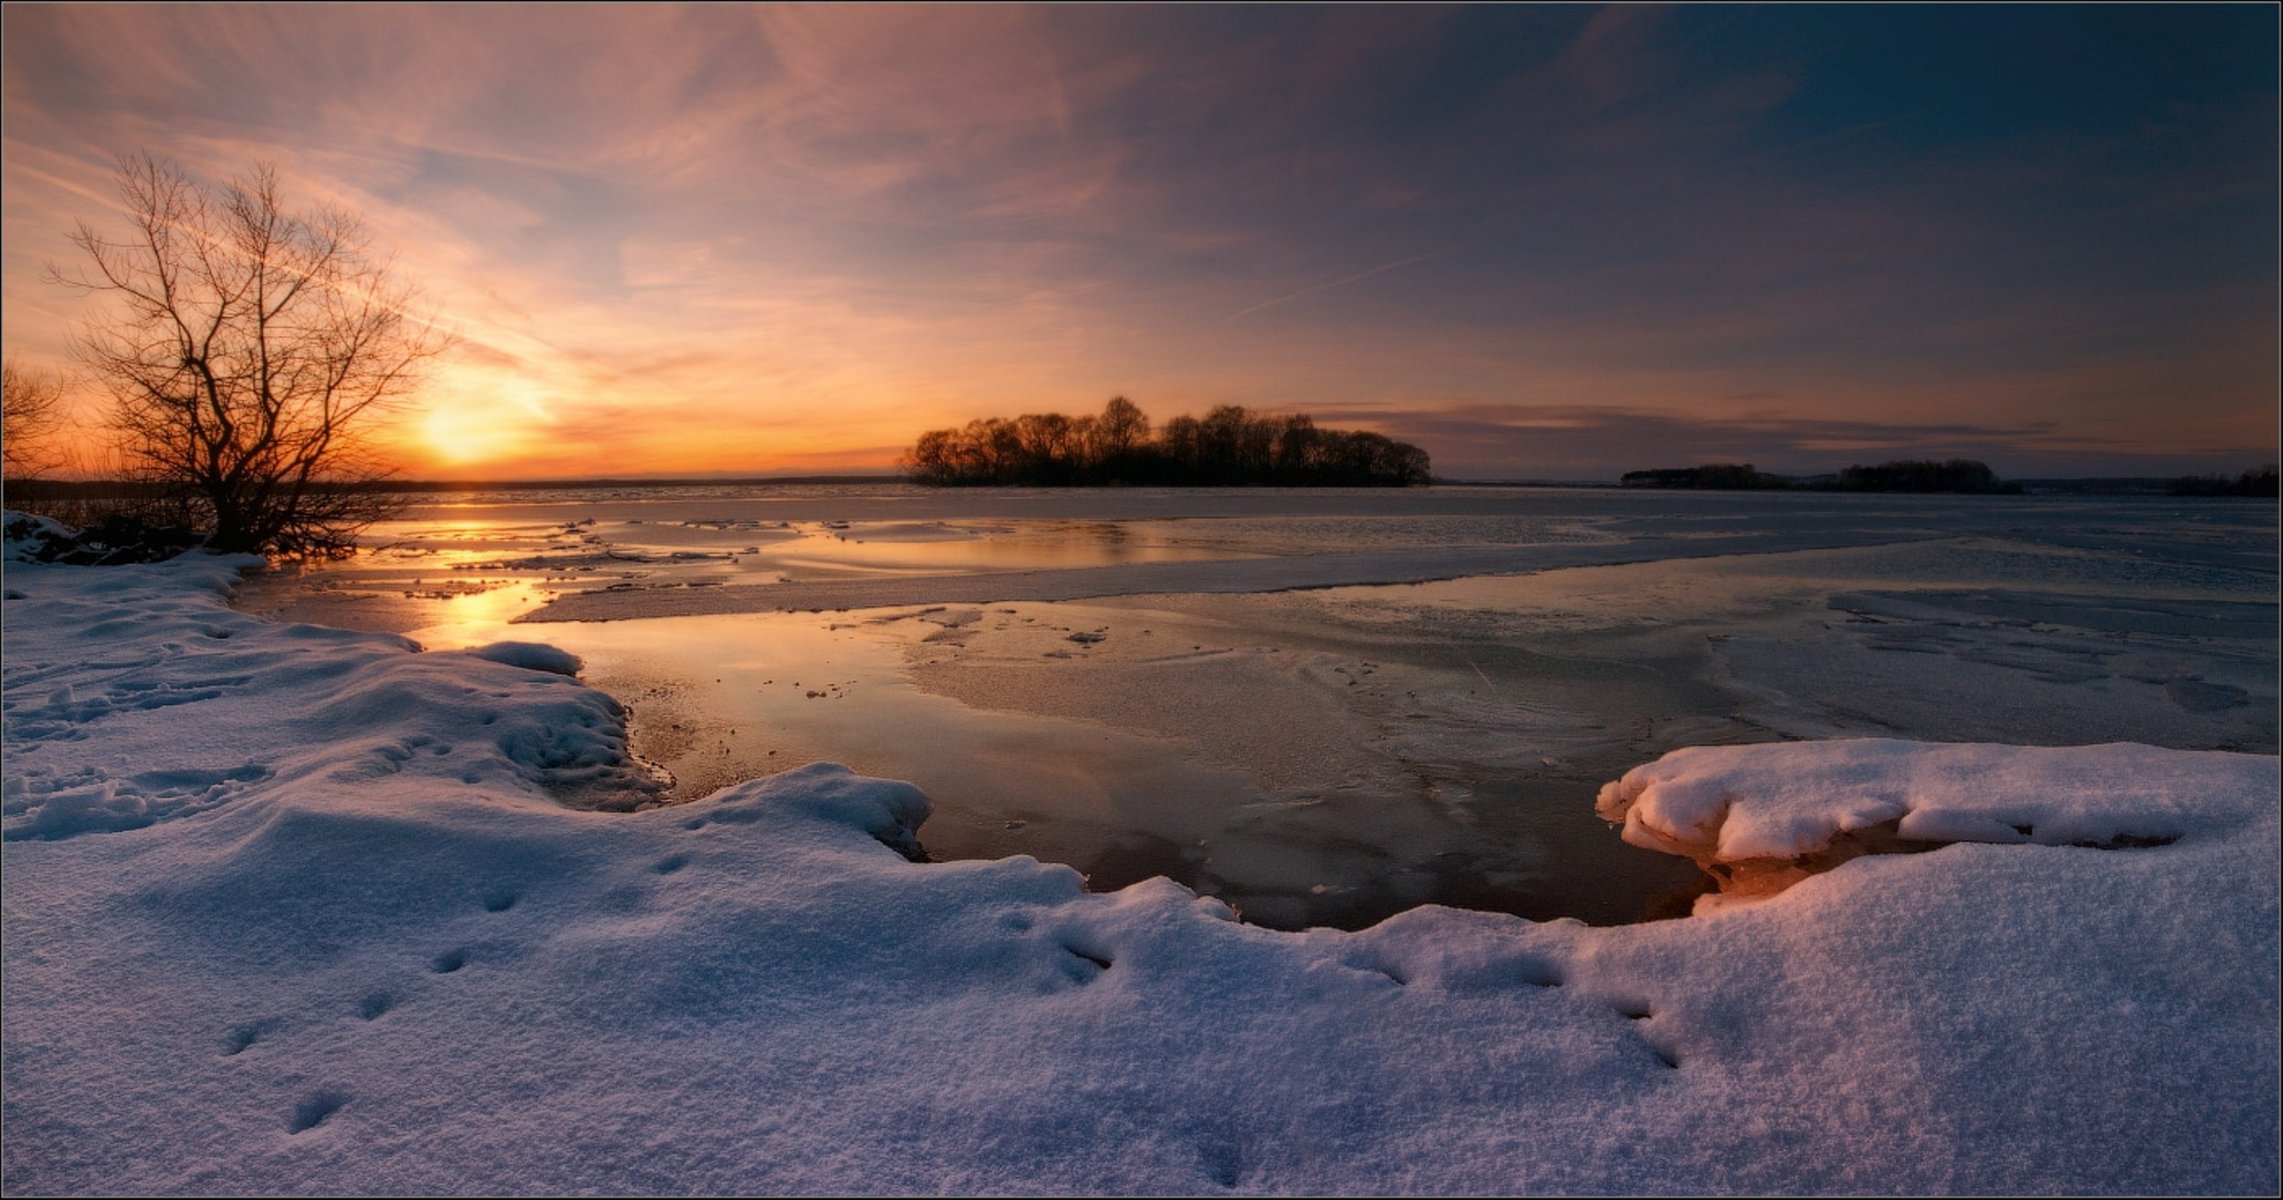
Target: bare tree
x=30 y=406
x=1119 y=433
x=245 y=349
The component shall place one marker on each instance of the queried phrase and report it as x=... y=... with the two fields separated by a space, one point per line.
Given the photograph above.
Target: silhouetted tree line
x=1229 y=446
x=1725 y=476
x=2259 y=481
x=1923 y=475
x=1906 y=475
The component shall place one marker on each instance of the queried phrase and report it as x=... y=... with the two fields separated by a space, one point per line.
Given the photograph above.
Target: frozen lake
x=1328 y=706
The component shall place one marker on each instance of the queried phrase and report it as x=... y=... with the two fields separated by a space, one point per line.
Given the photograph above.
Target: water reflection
x=475 y=618
x=444 y=557
x=721 y=699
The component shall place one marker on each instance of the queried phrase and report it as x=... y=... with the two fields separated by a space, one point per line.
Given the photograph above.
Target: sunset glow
x=1541 y=242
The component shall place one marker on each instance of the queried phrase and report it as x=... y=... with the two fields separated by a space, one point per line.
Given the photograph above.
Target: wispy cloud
x=1553 y=442
x=1358 y=277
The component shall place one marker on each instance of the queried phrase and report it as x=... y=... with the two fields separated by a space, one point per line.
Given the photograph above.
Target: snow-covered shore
x=297 y=910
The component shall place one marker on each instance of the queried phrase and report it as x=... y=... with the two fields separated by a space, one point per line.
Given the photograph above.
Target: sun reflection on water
x=478 y=618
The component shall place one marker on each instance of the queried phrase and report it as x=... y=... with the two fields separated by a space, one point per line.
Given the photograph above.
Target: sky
x=1543 y=242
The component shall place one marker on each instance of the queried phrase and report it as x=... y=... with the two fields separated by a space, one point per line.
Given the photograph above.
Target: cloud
x=1555 y=442
x=809 y=230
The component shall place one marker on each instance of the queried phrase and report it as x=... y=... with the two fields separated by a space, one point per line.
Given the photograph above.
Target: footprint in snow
x=241 y=1038
x=314 y=1111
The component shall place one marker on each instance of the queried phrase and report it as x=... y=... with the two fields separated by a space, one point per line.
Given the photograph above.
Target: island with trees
x=2258 y=482
x=1229 y=446
x=1957 y=475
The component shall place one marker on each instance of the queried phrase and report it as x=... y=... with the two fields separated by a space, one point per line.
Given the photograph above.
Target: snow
x=134 y=697
x=300 y=910
x=1736 y=803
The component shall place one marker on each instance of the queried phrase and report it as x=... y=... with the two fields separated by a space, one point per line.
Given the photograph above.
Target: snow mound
x=116 y=539
x=532 y=656
x=1779 y=801
x=889 y=811
x=133 y=695
x=32 y=538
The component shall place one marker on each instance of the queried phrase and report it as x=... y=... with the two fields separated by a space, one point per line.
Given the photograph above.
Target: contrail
x=1325 y=287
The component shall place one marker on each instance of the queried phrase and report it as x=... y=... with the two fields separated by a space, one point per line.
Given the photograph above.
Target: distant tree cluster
x=1908 y=475
x=2259 y=481
x=1229 y=446
x=1724 y=476
x=1923 y=475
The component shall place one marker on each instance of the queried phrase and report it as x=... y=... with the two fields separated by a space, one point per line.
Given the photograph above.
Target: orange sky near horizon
x=1541 y=241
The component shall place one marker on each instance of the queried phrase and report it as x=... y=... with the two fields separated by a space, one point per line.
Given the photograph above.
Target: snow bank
x=1736 y=803
x=28 y=537
x=134 y=696
x=372 y=953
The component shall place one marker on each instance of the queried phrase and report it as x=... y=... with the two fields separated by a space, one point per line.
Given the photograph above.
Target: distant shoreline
x=105 y=488
x=44 y=489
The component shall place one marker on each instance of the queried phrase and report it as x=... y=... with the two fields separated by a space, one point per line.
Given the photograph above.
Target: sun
x=467 y=425
x=455 y=436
